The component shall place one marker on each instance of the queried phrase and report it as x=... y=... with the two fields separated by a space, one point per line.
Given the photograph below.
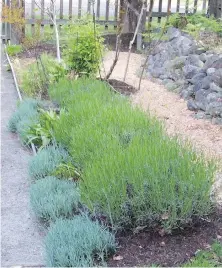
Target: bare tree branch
x=133 y=40
x=118 y=45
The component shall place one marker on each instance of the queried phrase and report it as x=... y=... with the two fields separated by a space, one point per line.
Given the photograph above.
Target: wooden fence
x=106 y=11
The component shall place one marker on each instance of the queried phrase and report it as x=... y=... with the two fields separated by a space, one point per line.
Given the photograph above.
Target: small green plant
x=78 y=243
x=52 y=198
x=36 y=78
x=13 y=50
x=84 y=47
x=207 y=258
x=66 y=171
x=45 y=162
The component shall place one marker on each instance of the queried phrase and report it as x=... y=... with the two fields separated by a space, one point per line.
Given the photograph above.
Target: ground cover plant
x=13 y=50
x=131 y=171
x=207 y=258
x=78 y=243
x=46 y=161
x=52 y=198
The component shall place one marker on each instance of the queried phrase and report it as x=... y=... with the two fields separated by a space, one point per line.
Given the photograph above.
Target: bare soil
x=149 y=248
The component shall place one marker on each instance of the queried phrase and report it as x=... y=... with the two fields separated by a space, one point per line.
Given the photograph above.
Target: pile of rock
x=184 y=67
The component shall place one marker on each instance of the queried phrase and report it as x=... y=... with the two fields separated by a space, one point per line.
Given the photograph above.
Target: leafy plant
x=78 y=243
x=131 y=171
x=67 y=171
x=13 y=50
x=45 y=162
x=36 y=78
x=84 y=47
x=41 y=133
x=52 y=198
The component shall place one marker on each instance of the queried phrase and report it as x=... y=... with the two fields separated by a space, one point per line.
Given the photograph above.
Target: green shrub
x=13 y=50
x=52 y=198
x=131 y=171
x=78 y=243
x=84 y=47
x=47 y=160
x=27 y=109
x=36 y=77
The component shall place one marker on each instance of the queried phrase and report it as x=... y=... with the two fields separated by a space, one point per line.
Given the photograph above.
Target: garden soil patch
x=148 y=248
x=122 y=87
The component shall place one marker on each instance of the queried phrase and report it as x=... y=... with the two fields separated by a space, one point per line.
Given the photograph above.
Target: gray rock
x=197 y=78
x=210 y=71
x=214 y=87
x=203 y=57
x=166 y=81
x=200 y=51
x=217 y=77
x=198 y=86
x=213 y=97
x=217 y=64
x=156 y=72
x=194 y=60
x=190 y=71
x=214 y=108
x=173 y=33
x=200 y=115
x=201 y=99
x=187 y=93
x=206 y=82
x=191 y=105
x=210 y=60
x=217 y=121
x=177 y=63
x=163 y=76
x=171 y=86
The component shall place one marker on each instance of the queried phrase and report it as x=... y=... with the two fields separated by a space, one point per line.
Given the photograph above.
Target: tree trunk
x=215 y=8
x=132 y=17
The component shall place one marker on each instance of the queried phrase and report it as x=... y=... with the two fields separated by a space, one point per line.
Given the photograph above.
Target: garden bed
x=148 y=248
x=109 y=182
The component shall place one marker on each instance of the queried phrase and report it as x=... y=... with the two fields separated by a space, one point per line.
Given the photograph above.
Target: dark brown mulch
x=148 y=248
x=122 y=87
x=38 y=50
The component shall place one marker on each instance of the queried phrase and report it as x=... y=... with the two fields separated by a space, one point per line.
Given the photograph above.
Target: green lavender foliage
x=52 y=198
x=78 y=243
x=132 y=172
x=27 y=110
x=46 y=161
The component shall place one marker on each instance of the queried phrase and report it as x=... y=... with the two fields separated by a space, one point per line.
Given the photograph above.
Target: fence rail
x=106 y=11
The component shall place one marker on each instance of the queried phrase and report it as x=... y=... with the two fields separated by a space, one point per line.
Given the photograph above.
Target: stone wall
x=196 y=74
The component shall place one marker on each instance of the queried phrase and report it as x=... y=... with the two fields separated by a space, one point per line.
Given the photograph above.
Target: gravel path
x=171 y=109
x=21 y=238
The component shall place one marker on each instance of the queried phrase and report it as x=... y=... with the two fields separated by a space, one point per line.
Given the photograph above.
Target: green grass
x=207 y=258
x=78 y=243
x=13 y=50
x=132 y=172
x=52 y=198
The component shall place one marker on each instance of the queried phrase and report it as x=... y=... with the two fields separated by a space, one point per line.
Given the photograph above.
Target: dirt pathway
x=21 y=238
x=170 y=108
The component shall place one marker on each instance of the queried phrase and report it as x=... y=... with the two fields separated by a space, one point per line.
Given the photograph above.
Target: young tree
x=52 y=12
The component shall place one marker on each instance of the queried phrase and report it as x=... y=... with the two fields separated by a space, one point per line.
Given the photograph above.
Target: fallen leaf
x=162 y=232
x=165 y=216
x=162 y=244
x=117 y=258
